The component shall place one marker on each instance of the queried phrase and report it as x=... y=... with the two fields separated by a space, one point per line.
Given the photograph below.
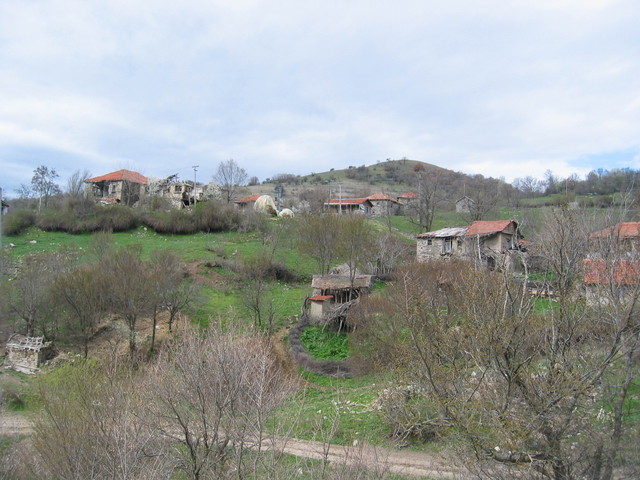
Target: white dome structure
x=286 y=213
x=265 y=204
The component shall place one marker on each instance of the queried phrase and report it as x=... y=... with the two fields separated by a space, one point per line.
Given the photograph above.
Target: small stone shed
x=319 y=306
x=26 y=354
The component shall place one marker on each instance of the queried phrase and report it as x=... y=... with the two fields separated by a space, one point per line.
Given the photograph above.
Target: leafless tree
x=128 y=289
x=43 y=184
x=520 y=384
x=79 y=293
x=28 y=295
x=430 y=195
x=210 y=396
x=318 y=238
x=88 y=426
x=75 y=183
x=230 y=177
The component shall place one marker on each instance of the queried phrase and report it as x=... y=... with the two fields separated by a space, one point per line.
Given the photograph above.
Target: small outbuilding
x=26 y=354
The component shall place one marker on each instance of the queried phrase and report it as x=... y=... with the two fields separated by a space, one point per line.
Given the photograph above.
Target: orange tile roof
x=622 y=272
x=486 y=227
x=381 y=196
x=620 y=230
x=321 y=298
x=408 y=195
x=123 y=174
x=345 y=201
x=249 y=199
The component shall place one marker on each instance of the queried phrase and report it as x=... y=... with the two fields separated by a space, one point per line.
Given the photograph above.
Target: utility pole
x=195 y=195
x=1 y=251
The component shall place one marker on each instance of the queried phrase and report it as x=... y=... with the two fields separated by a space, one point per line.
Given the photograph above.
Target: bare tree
x=128 y=289
x=28 y=295
x=210 y=396
x=43 y=184
x=318 y=238
x=520 y=384
x=75 y=183
x=79 y=292
x=230 y=177
x=88 y=426
x=430 y=195
x=355 y=243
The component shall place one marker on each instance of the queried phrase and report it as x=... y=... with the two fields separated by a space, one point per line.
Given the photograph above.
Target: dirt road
x=405 y=462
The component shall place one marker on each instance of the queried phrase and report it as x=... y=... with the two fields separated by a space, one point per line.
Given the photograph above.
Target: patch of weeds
x=324 y=344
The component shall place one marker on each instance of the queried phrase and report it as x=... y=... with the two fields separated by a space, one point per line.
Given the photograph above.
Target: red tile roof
x=620 y=230
x=249 y=199
x=408 y=195
x=486 y=227
x=127 y=175
x=345 y=201
x=321 y=298
x=381 y=196
x=622 y=272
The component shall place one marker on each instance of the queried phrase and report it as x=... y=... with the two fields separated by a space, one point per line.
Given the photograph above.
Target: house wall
x=382 y=208
x=436 y=249
x=25 y=361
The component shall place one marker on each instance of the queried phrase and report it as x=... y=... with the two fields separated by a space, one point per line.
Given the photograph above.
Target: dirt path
x=405 y=462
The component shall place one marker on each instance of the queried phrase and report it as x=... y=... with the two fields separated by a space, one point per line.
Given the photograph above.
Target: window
x=429 y=241
x=178 y=188
x=447 y=245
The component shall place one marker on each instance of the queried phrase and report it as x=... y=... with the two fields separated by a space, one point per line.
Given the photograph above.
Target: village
x=353 y=289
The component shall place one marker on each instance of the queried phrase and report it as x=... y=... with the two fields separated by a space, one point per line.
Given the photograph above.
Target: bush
x=178 y=222
x=216 y=217
x=324 y=344
x=17 y=221
x=59 y=221
x=114 y=218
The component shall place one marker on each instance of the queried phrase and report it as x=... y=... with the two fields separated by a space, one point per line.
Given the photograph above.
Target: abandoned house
x=4 y=208
x=383 y=205
x=625 y=236
x=247 y=202
x=488 y=242
x=26 y=354
x=465 y=204
x=334 y=294
x=340 y=288
x=123 y=186
x=180 y=194
x=607 y=281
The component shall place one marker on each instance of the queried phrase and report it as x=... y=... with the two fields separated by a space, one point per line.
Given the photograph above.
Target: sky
x=503 y=88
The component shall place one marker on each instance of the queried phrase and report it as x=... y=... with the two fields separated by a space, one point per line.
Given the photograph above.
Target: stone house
x=382 y=205
x=123 y=186
x=625 y=236
x=465 y=204
x=606 y=281
x=26 y=354
x=487 y=242
x=247 y=202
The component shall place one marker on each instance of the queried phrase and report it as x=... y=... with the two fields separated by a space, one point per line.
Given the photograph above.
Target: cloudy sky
x=498 y=87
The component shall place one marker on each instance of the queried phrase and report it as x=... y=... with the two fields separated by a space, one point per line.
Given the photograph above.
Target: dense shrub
x=52 y=220
x=16 y=221
x=114 y=218
x=217 y=217
x=175 y=222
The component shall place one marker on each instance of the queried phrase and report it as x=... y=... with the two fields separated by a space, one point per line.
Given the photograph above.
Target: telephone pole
x=195 y=194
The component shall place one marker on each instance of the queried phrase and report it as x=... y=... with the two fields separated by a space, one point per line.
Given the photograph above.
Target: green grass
x=337 y=410
x=325 y=344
